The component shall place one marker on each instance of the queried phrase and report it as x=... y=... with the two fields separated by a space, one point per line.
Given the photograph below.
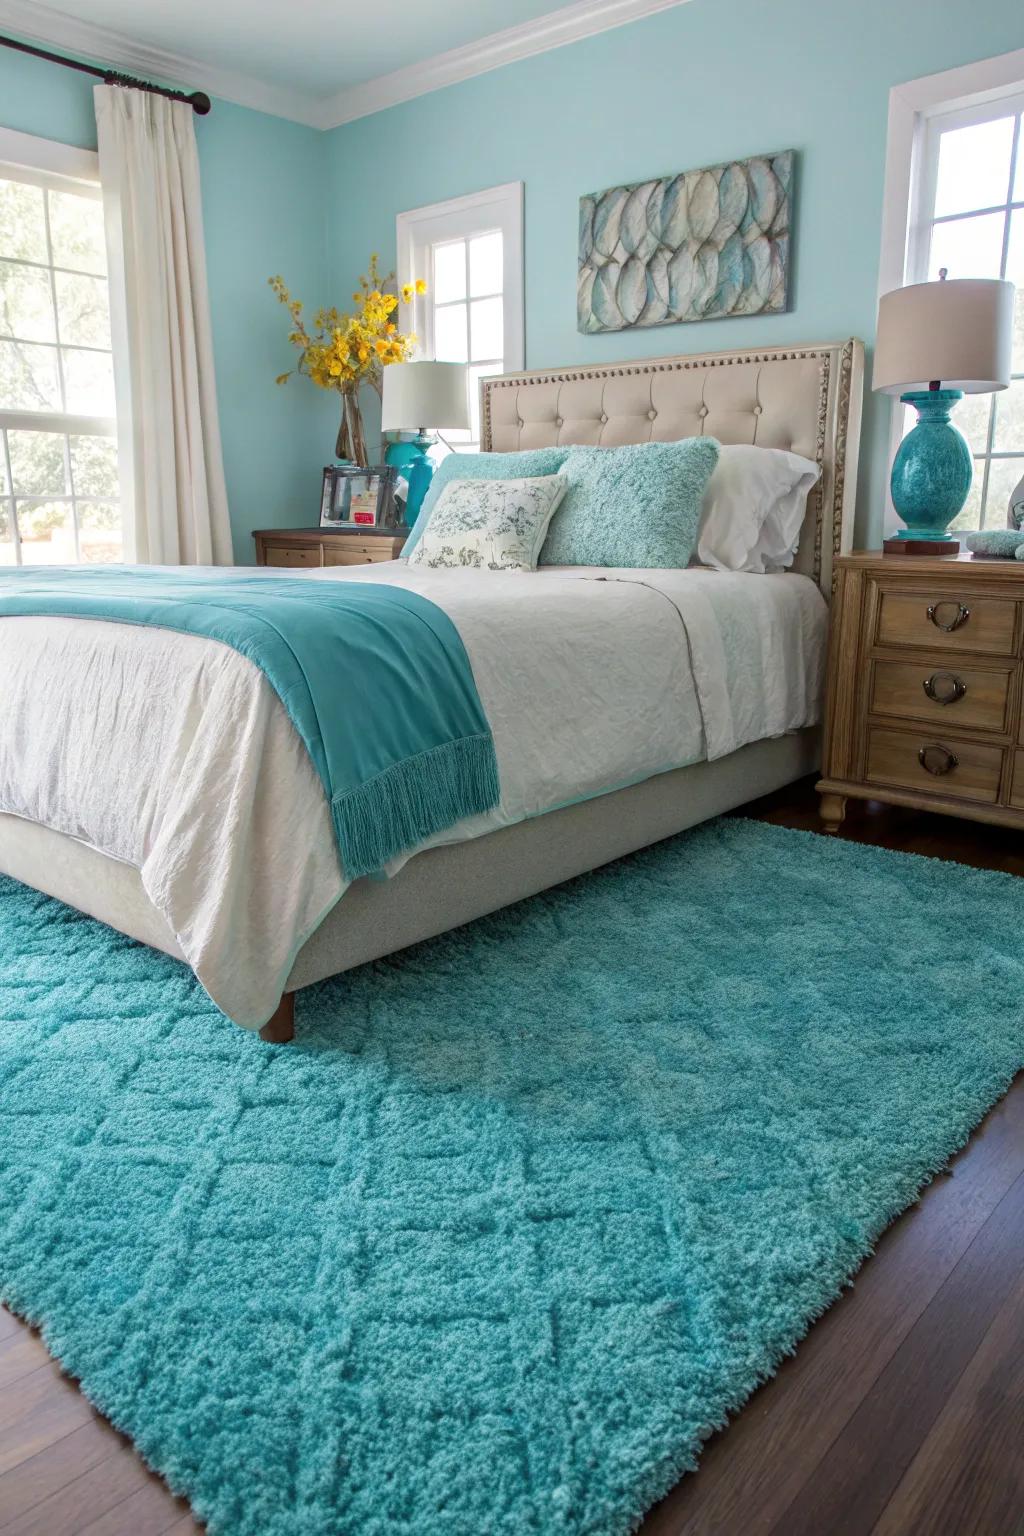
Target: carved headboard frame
x=805 y=399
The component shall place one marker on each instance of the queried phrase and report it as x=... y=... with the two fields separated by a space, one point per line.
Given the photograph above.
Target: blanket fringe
x=412 y=800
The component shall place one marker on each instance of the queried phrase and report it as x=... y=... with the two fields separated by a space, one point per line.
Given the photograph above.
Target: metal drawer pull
x=951 y=694
x=946 y=762
x=963 y=613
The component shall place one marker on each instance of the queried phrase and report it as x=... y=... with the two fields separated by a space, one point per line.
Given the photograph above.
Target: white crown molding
x=68 y=34
x=555 y=30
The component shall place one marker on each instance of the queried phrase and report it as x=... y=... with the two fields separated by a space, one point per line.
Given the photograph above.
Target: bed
x=621 y=721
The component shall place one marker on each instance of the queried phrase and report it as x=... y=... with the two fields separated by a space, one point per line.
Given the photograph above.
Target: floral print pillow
x=489 y=525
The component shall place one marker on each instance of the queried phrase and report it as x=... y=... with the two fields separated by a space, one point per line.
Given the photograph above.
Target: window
x=972 y=225
x=470 y=253
x=59 y=490
x=954 y=199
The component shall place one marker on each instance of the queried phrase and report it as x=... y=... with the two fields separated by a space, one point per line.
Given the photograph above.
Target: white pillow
x=494 y=525
x=754 y=508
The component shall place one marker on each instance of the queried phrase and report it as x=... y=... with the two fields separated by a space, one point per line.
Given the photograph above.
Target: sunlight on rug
x=526 y=1211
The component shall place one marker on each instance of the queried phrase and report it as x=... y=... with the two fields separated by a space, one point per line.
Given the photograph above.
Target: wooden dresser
x=924 y=689
x=304 y=547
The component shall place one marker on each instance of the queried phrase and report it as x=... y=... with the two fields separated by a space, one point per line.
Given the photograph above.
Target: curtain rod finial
x=200 y=103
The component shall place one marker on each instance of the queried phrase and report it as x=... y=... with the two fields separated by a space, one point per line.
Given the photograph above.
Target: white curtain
x=168 y=433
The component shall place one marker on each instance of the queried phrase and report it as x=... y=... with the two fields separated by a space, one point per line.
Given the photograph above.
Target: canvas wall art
x=702 y=245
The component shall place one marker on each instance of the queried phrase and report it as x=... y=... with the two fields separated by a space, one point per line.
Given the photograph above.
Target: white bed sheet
x=173 y=753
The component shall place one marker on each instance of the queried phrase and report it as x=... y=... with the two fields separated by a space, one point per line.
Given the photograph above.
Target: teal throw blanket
x=374 y=678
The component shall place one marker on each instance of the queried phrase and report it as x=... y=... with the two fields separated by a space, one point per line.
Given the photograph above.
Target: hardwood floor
x=901 y=1414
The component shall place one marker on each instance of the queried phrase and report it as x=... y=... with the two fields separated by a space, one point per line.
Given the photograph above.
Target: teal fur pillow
x=483 y=466
x=636 y=506
x=1002 y=542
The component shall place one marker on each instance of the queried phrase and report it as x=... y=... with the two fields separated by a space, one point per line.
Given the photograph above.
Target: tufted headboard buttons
x=804 y=399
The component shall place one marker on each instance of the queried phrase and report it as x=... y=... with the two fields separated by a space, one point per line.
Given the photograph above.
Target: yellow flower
x=421 y=286
x=408 y=289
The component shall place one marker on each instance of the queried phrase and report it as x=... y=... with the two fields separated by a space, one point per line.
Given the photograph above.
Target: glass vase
x=351 y=442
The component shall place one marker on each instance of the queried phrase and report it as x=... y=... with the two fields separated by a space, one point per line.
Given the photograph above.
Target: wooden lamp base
x=921 y=546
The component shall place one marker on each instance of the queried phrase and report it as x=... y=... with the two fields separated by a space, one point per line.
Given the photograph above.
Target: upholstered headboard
x=805 y=399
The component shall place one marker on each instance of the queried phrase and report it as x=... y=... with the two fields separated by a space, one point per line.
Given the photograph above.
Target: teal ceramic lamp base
x=932 y=470
x=412 y=460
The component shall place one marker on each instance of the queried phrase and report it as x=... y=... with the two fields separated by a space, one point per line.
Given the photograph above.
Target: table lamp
x=936 y=342
x=422 y=395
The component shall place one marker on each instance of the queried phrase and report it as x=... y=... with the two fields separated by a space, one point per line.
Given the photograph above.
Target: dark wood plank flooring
x=901 y=1414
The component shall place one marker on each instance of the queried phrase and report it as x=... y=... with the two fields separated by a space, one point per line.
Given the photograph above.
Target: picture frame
x=353 y=497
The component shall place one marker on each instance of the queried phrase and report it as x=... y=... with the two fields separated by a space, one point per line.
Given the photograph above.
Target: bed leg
x=279 y=1029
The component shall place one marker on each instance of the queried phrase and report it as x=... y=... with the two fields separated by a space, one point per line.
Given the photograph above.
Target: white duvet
x=174 y=754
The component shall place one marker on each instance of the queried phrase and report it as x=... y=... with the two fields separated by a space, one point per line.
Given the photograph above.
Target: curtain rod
x=198 y=101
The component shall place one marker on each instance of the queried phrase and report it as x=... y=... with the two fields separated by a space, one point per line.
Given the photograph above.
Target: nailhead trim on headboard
x=840 y=371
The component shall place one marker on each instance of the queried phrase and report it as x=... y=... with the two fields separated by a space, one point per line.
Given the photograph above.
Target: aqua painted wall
x=707 y=81
x=264 y=212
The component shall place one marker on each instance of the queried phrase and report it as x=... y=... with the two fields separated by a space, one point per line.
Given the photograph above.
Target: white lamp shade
x=424 y=395
x=957 y=331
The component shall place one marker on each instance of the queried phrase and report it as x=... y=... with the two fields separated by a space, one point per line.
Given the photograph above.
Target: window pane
x=1003 y=475
x=76 y=230
x=28 y=377
x=485 y=264
x=969 y=515
x=6 y=534
x=968 y=247
x=94 y=466
x=26 y=304
x=37 y=463
x=449 y=272
x=99 y=532
x=1018 y=180
x=974 y=167
x=22 y=227
x=486 y=330
x=450 y=334
x=82 y=312
x=1015 y=272
x=46 y=529
x=1009 y=437
x=972 y=418
x=89 y=382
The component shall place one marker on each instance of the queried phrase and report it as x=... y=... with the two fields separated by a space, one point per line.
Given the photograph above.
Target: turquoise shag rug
x=526 y=1211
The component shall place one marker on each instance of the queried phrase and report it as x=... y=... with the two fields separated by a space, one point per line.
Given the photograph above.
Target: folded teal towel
x=375 y=680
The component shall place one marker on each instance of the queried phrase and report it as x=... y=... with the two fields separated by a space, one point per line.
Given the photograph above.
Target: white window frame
x=918 y=110
x=460 y=218
x=48 y=163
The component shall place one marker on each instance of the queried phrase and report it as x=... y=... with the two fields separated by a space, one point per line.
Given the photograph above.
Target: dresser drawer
x=965 y=770
x=936 y=621
x=294 y=555
x=952 y=695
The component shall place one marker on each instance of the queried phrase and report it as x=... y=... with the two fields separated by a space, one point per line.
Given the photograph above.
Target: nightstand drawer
x=281 y=554
x=953 y=696
x=960 y=769
x=1017 y=788
x=940 y=621
x=353 y=552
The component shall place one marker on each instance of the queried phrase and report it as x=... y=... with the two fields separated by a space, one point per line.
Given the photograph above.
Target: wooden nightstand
x=304 y=547
x=924 y=689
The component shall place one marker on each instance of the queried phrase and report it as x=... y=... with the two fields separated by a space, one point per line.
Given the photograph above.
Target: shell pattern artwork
x=702 y=245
